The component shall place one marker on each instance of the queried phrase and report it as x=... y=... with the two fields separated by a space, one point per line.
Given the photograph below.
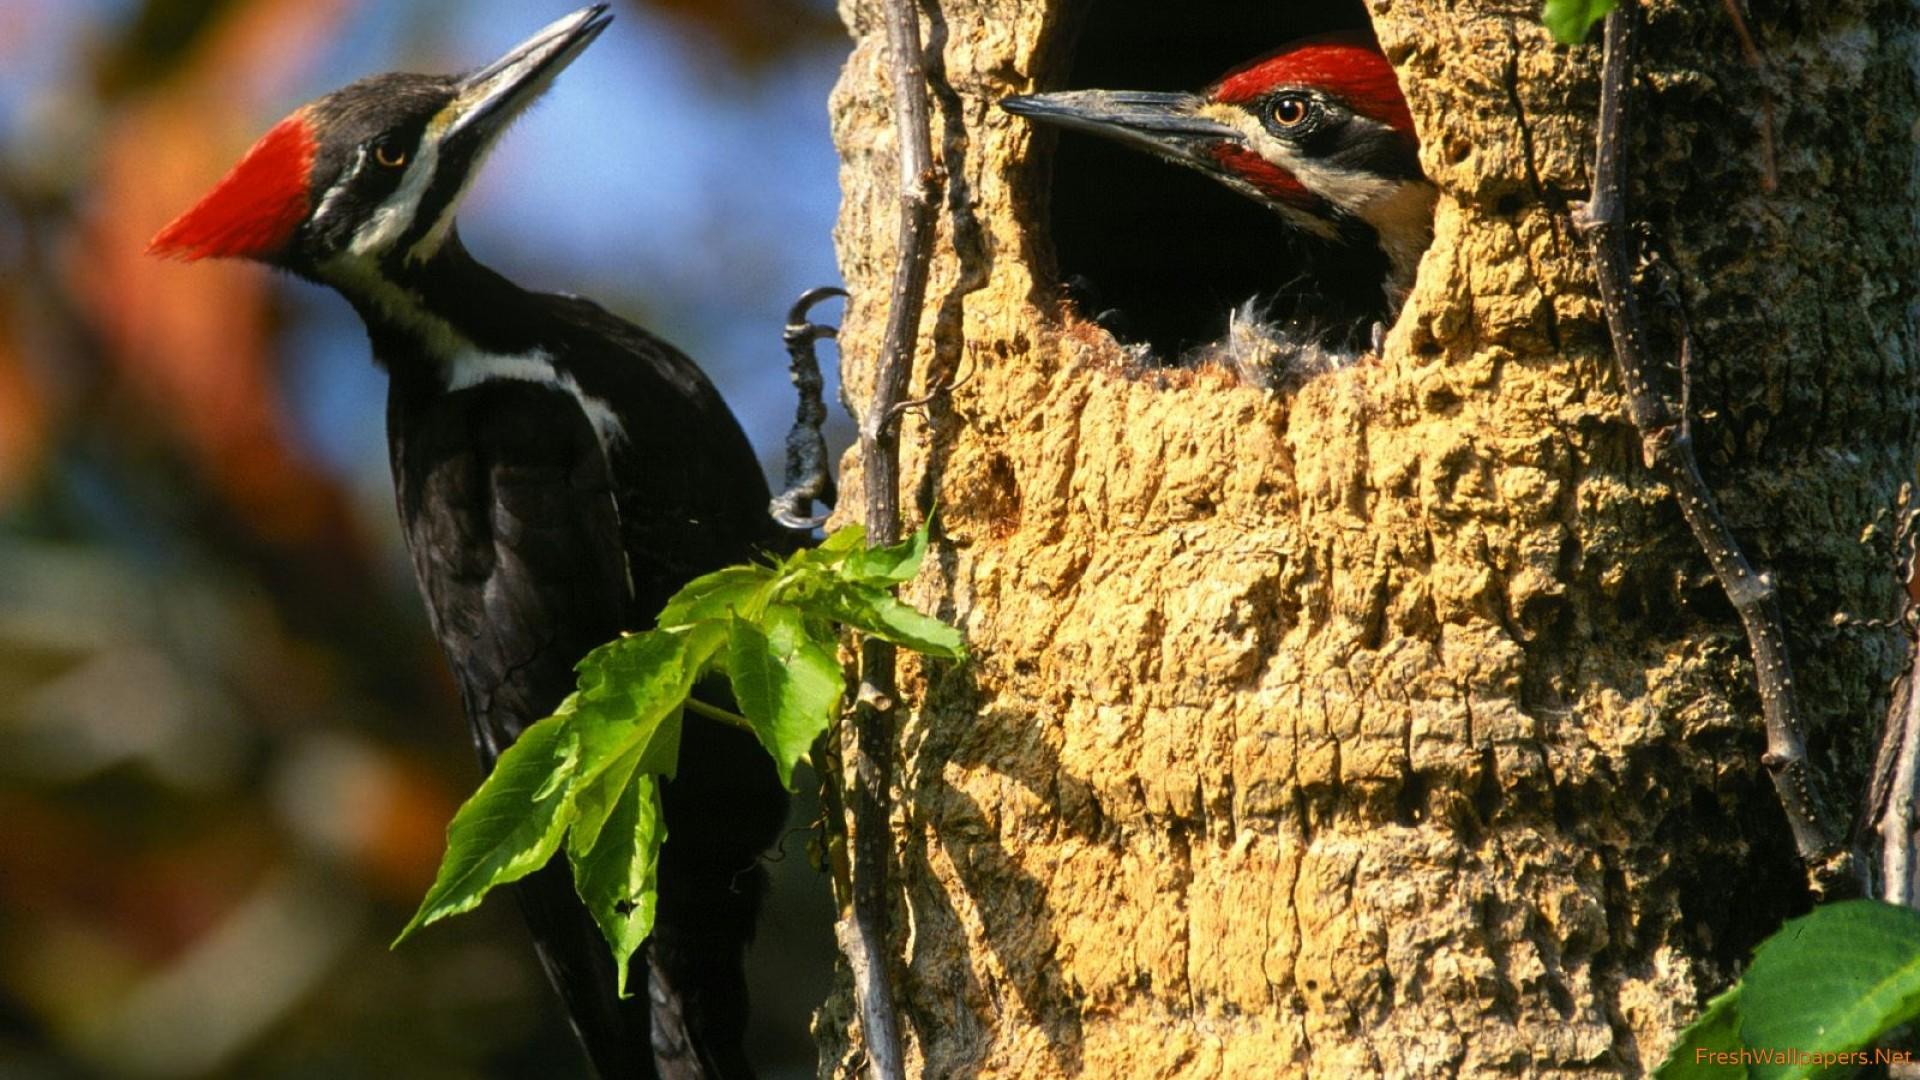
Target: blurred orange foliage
x=194 y=344
x=753 y=30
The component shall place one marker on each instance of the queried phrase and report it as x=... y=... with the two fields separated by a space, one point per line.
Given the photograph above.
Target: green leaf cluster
x=588 y=777
x=1818 y=993
x=1571 y=20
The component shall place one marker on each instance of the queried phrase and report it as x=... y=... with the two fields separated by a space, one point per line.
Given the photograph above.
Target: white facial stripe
x=391 y=219
x=1350 y=192
x=471 y=104
x=339 y=188
x=1399 y=211
x=1262 y=142
x=429 y=244
x=492 y=105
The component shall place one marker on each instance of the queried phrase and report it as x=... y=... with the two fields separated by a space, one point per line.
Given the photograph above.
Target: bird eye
x=1291 y=111
x=389 y=155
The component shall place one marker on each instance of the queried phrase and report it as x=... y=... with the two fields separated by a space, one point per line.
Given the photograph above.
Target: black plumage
x=560 y=473
x=535 y=538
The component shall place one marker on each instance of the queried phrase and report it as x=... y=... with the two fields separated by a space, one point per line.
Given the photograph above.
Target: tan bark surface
x=1392 y=727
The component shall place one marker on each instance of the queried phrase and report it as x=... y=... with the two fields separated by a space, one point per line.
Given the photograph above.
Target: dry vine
x=1891 y=799
x=863 y=937
x=1666 y=443
x=1895 y=795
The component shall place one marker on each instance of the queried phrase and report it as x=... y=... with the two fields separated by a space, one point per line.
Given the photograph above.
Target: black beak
x=1170 y=125
x=490 y=98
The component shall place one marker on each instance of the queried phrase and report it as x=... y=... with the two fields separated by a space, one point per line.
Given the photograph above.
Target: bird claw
x=789 y=511
x=809 y=477
x=802 y=331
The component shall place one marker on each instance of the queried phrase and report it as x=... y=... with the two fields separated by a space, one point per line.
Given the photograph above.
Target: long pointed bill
x=1169 y=125
x=451 y=148
x=490 y=98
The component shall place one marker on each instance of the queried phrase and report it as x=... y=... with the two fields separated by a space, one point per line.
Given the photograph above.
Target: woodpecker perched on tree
x=1317 y=131
x=560 y=473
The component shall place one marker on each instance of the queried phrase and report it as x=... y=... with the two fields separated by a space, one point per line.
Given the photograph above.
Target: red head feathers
x=1347 y=65
x=255 y=209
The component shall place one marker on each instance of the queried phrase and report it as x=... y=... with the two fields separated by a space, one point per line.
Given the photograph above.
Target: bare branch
x=1832 y=867
x=864 y=937
x=1898 y=822
x=1895 y=789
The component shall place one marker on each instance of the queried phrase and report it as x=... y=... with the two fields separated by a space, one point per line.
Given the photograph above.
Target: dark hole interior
x=1168 y=251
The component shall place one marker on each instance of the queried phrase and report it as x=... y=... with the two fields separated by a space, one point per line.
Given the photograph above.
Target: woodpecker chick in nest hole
x=1317 y=132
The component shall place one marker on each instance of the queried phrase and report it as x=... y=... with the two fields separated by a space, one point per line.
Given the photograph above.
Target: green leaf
x=843 y=541
x=1831 y=982
x=593 y=767
x=616 y=870
x=594 y=799
x=510 y=827
x=826 y=557
x=631 y=693
x=876 y=612
x=1701 y=1052
x=787 y=684
x=890 y=565
x=718 y=596
x=1571 y=20
x=661 y=757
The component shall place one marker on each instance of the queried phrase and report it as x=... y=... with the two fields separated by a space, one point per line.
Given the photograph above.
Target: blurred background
x=228 y=749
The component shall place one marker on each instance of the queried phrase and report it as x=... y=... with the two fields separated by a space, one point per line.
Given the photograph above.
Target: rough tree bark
x=1394 y=726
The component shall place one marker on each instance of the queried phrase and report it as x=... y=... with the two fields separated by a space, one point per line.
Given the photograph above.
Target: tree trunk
x=1394 y=725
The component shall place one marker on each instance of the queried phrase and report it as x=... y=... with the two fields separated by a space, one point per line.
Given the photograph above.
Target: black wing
x=691 y=494
x=692 y=499
x=532 y=549
x=509 y=515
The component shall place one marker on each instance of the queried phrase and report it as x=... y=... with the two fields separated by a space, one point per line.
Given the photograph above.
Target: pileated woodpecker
x=1317 y=131
x=560 y=473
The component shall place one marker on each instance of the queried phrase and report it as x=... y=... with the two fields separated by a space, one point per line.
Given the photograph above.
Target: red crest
x=255 y=209
x=1347 y=65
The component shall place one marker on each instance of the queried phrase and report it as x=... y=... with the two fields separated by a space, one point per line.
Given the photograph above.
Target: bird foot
x=809 y=476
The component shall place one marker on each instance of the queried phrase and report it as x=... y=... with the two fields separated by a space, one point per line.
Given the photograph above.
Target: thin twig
x=834 y=859
x=809 y=478
x=864 y=937
x=944 y=390
x=1899 y=824
x=1667 y=446
x=1892 y=797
